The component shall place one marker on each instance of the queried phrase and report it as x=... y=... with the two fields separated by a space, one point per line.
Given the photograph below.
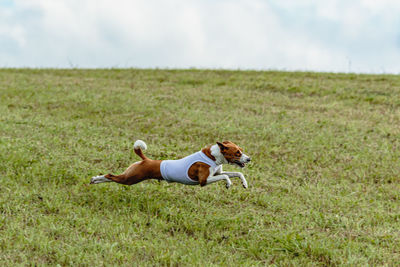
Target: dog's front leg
x=213 y=179
x=237 y=174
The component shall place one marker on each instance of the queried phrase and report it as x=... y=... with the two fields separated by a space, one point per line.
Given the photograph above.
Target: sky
x=361 y=36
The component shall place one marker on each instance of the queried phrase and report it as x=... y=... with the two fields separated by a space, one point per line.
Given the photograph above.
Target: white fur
x=140 y=144
x=219 y=158
x=237 y=174
x=244 y=158
x=213 y=179
x=215 y=176
x=99 y=179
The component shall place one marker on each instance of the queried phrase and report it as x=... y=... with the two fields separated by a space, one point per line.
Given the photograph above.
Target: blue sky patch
x=7 y=3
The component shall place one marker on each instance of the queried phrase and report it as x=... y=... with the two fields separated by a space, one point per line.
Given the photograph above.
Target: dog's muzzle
x=243 y=160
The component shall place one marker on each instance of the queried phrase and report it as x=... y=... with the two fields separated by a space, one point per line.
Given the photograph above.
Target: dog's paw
x=97 y=179
x=93 y=180
x=228 y=184
x=244 y=182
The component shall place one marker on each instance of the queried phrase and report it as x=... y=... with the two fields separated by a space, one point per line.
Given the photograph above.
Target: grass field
x=324 y=182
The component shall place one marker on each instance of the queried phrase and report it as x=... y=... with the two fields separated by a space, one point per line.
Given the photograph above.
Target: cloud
x=290 y=35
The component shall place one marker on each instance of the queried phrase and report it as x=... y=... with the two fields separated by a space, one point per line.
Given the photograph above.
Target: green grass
x=323 y=183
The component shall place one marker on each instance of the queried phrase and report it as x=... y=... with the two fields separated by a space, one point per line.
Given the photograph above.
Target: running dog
x=203 y=167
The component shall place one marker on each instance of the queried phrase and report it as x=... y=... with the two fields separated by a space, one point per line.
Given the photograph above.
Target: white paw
x=99 y=179
x=244 y=183
x=93 y=180
x=228 y=184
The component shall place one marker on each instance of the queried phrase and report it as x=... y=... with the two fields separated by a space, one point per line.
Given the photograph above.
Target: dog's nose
x=248 y=159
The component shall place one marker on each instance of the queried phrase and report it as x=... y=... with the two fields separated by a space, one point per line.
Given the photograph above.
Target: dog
x=201 y=168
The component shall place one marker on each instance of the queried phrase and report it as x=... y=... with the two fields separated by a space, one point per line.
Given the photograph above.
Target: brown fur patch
x=139 y=171
x=199 y=171
x=207 y=152
x=231 y=151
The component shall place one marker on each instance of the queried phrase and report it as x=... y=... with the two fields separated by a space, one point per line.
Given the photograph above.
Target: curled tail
x=139 y=146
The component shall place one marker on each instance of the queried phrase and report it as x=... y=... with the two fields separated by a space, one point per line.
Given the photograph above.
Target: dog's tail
x=139 y=146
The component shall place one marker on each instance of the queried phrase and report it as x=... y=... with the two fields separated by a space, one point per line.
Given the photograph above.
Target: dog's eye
x=238 y=154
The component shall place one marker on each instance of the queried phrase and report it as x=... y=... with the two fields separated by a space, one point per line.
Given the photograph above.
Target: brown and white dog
x=203 y=167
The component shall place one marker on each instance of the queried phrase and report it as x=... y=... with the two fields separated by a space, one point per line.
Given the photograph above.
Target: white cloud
x=291 y=35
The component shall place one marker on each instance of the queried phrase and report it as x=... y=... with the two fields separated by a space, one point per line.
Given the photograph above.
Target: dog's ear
x=221 y=146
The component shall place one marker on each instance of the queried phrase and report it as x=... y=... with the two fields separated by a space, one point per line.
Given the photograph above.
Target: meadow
x=323 y=182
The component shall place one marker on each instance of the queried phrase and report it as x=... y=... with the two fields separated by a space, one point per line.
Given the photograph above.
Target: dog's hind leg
x=125 y=179
x=121 y=179
x=136 y=173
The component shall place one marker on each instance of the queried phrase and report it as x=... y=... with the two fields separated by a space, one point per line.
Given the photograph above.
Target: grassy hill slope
x=324 y=183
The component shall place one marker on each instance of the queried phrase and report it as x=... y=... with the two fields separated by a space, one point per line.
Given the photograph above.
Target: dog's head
x=233 y=154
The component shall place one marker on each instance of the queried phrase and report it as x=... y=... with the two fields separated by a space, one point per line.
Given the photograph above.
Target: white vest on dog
x=177 y=170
